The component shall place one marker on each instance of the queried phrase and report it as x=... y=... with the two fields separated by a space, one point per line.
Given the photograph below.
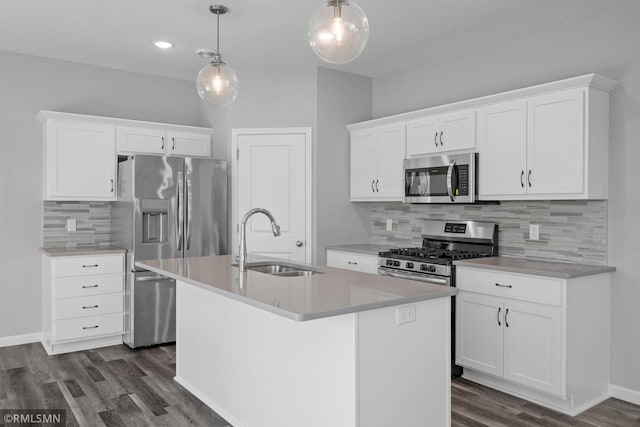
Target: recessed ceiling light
x=162 y=44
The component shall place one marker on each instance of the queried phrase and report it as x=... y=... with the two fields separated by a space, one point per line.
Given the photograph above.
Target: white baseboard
x=623 y=393
x=20 y=339
x=210 y=403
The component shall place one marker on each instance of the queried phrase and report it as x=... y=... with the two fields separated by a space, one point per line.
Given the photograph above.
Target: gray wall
x=602 y=39
x=343 y=98
x=30 y=84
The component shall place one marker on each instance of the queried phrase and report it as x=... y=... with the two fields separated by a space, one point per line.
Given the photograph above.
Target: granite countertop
x=560 y=270
x=103 y=250
x=361 y=248
x=332 y=293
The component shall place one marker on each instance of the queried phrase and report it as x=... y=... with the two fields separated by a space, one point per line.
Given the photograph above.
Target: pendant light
x=217 y=83
x=338 y=31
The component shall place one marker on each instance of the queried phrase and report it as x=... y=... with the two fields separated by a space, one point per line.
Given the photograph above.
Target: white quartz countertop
x=331 y=293
x=58 y=252
x=361 y=248
x=558 y=270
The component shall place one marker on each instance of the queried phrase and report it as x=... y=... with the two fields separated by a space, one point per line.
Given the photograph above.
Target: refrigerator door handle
x=188 y=213
x=180 y=211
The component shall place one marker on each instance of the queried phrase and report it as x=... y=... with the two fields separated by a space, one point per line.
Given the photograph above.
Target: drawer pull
x=90 y=327
x=89 y=265
x=352 y=263
x=504 y=286
x=89 y=286
x=89 y=306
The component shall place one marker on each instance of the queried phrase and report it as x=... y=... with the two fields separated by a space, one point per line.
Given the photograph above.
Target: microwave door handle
x=449 y=180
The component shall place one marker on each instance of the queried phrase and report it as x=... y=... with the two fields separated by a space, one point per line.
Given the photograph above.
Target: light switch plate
x=389 y=225
x=534 y=231
x=71 y=225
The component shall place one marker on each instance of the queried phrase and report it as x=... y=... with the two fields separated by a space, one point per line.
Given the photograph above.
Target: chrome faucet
x=242 y=249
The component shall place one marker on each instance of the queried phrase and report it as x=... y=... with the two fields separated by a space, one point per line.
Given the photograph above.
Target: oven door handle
x=452 y=165
x=419 y=278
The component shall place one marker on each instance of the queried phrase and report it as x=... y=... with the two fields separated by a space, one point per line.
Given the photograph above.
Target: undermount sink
x=283 y=270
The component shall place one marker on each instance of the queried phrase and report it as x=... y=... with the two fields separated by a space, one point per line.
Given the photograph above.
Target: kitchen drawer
x=515 y=286
x=87 y=265
x=82 y=286
x=86 y=327
x=88 y=306
x=353 y=261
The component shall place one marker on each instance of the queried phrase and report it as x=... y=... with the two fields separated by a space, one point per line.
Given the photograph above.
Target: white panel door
x=479 y=332
x=502 y=142
x=80 y=161
x=555 y=153
x=390 y=154
x=533 y=346
x=458 y=131
x=363 y=164
x=272 y=174
x=422 y=137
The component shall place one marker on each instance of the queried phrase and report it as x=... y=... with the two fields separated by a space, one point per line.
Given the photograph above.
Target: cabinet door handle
x=498 y=316
x=529 y=178
x=377 y=191
x=111 y=185
x=441 y=143
x=89 y=265
x=435 y=139
x=506 y=322
x=90 y=327
x=373 y=181
x=504 y=286
x=84 y=307
x=352 y=263
x=173 y=143
x=89 y=286
x=522 y=178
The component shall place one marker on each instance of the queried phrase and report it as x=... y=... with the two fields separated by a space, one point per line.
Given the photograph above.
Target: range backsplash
x=93 y=224
x=570 y=231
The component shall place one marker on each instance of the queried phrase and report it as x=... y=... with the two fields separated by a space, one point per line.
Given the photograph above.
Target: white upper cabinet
x=376 y=163
x=79 y=160
x=164 y=141
x=447 y=132
x=538 y=148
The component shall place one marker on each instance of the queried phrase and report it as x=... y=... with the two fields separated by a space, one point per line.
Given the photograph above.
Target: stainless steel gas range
x=443 y=242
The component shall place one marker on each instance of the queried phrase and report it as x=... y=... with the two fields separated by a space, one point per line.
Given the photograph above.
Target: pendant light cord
x=218 y=35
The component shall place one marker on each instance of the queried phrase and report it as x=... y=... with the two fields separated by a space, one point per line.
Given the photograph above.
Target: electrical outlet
x=534 y=231
x=71 y=225
x=406 y=314
x=389 y=225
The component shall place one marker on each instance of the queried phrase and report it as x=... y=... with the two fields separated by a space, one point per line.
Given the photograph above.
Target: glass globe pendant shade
x=217 y=84
x=338 y=31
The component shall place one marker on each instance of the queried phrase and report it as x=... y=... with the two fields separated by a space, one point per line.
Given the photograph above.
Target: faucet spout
x=242 y=249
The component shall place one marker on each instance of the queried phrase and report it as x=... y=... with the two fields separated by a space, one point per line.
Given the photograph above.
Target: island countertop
x=331 y=292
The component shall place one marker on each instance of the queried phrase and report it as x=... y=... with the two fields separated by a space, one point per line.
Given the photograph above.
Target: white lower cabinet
x=540 y=338
x=82 y=302
x=353 y=261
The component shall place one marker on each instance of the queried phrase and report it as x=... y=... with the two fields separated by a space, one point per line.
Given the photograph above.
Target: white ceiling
x=256 y=33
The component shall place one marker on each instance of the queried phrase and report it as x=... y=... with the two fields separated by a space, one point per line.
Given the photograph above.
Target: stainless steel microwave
x=441 y=179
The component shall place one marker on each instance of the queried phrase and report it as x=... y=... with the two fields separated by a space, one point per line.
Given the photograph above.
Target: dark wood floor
x=116 y=386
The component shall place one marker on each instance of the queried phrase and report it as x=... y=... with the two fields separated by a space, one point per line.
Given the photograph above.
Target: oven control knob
x=432 y=268
x=424 y=267
x=389 y=262
x=409 y=265
x=396 y=263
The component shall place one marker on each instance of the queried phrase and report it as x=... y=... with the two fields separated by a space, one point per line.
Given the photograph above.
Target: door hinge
x=238 y=153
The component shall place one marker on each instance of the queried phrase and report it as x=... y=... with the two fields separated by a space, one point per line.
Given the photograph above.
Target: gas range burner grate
x=430 y=253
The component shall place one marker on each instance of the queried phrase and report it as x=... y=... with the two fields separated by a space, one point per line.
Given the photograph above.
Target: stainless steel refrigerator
x=167 y=207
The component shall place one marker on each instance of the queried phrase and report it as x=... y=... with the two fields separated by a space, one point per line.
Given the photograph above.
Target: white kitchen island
x=329 y=349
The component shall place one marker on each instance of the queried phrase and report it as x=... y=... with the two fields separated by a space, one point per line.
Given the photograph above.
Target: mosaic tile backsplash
x=93 y=224
x=570 y=231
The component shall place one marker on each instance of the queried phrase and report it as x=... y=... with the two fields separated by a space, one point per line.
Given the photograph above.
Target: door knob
x=298 y=243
